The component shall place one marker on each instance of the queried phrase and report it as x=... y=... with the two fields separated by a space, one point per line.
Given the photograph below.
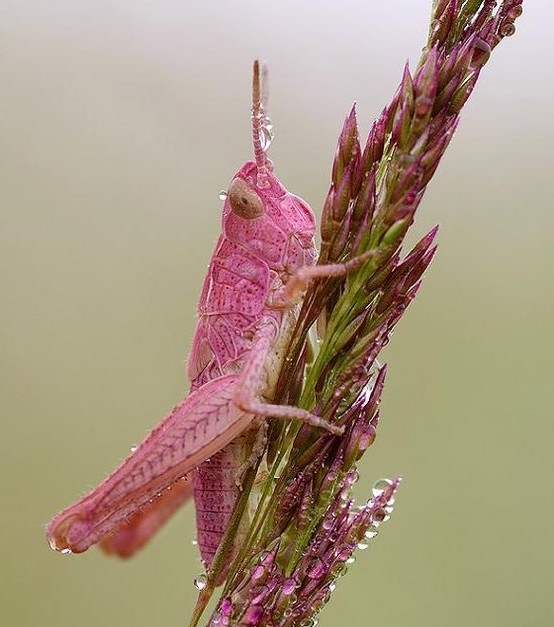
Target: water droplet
x=201 y=582
x=365 y=440
x=266 y=138
x=289 y=585
x=371 y=533
x=222 y=195
x=507 y=29
x=380 y=516
x=195 y=542
x=515 y=12
x=332 y=475
x=317 y=569
x=380 y=486
x=65 y=551
x=340 y=570
x=266 y=135
x=328 y=524
x=134 y=448
x=362 y=545
x=351 y=560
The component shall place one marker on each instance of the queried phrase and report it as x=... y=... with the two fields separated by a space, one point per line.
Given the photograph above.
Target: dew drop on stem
x=200 y=582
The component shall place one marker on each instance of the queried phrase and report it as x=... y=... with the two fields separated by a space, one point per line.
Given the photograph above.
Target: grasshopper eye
x=245 y=202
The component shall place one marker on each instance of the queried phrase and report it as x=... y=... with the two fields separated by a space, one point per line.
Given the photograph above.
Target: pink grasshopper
x=261 y=265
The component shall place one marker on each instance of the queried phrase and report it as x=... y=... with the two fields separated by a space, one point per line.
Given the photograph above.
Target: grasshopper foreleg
x=246 y=395
x=299 y=281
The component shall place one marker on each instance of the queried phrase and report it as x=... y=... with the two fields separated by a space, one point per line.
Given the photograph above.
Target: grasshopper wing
x=202 y=424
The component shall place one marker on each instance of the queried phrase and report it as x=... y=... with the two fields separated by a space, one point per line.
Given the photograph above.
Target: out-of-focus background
x=120 y=122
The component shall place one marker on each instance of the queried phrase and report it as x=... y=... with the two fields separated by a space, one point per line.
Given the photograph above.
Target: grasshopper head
x=268 y=220
x=259 y=213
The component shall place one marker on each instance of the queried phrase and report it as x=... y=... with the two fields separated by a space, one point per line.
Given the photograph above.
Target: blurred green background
x=120 y=122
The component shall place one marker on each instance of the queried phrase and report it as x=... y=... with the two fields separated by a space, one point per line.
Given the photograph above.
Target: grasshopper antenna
x=261 y=126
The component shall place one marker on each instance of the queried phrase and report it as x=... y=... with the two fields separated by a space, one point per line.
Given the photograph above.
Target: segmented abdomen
x=215 y=484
